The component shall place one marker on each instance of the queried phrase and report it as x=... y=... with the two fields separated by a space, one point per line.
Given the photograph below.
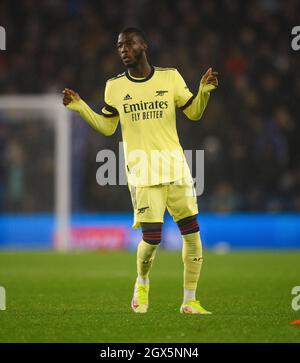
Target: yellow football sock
x=192 y=259
x=145 y=256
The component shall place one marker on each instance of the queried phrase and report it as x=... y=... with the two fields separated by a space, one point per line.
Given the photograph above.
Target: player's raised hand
x=70 y=96
x=209 y=81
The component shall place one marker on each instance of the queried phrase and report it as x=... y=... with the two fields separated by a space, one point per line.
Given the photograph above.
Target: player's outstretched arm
x=106 y=126
x=208 y=83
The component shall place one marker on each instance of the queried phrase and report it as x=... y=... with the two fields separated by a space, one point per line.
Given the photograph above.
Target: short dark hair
x=137 y=31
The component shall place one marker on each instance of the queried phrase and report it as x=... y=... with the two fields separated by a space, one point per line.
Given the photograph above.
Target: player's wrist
x=76 y=104
x=206 y=88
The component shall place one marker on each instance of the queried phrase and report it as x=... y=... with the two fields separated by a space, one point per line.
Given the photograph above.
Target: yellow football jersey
x=147 y=112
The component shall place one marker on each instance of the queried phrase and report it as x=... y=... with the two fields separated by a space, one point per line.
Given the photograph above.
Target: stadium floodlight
x=50 y=108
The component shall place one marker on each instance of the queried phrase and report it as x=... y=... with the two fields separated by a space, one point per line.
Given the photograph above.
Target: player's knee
x=152 y=232
x=188 y=225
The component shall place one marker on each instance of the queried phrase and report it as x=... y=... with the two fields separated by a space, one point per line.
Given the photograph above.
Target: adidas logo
x=127 y=97
x=145 y=262
x=197 y=259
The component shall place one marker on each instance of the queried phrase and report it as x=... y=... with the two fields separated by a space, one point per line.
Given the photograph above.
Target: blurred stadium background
x=250 y=131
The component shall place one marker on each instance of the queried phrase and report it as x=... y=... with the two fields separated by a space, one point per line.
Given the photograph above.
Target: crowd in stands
x=249 y=132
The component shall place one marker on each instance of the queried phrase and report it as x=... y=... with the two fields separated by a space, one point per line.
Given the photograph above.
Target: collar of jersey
x=140 y=79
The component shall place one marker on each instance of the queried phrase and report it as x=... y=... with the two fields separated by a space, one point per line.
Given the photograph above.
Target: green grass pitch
x=85 y=297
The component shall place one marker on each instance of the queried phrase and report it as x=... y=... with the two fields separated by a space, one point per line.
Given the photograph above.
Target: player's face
x=130 y=48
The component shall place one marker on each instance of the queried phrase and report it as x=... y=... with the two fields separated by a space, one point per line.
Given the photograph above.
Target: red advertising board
x=112 y=238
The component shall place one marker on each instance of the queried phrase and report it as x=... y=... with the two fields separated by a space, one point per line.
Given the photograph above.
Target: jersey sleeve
x=108 y=109
x=182 y=95
x=106 y=122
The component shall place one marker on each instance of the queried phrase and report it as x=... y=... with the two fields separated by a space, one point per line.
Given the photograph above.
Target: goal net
x=35 y=167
